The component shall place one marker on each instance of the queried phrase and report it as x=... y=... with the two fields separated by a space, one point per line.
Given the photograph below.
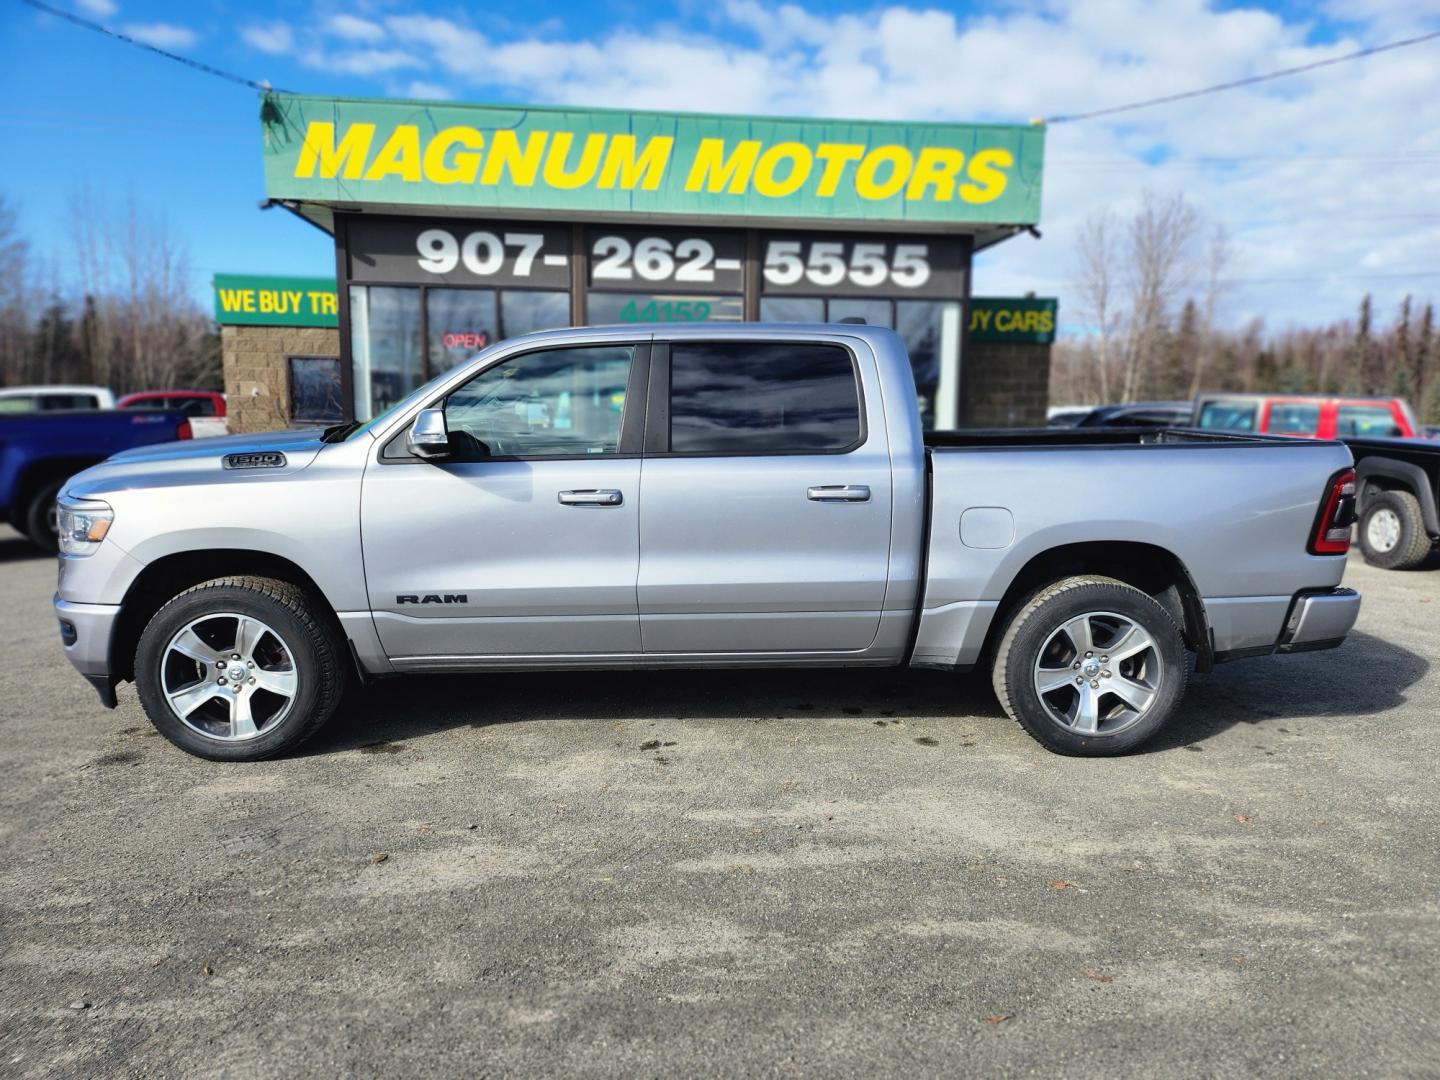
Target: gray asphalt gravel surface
x=734 y=873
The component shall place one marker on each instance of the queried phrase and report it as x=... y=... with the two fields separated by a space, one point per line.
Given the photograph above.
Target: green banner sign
x=1013 y=320
x=245 y=300
x=597 y=161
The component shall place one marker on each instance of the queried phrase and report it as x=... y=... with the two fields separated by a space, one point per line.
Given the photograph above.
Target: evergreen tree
x=1425 y=359
x=1402 y=366
x=1357 y=360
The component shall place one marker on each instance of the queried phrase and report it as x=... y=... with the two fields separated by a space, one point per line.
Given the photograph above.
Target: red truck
x=205 y=408
x=1308 y=416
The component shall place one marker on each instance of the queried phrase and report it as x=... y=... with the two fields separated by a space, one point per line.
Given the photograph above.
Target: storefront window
x=607 y=307
x=385 y=343
x=792 y=309
x=523 y=311
x=872 y=312
x=459 y=322
x=315 y=396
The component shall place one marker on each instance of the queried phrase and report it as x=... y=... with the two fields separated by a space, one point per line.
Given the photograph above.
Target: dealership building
x=458 y=225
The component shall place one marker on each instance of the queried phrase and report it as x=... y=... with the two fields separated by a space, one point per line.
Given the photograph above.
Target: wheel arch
x=1387 y=474
x=1152 y=569
x=171 y=575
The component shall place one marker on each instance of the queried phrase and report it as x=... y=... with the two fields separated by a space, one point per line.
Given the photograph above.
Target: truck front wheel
x=1392 y=531
x=1090 y=666
x=239 y=669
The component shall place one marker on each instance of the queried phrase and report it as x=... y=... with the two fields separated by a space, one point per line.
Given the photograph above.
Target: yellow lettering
x=506 y=156
x=232 y=299
x=461 y=169
x=400 y=156
x=267 y=302
x=1047 y=322
x=980 y=318
x=937 y=167
x=292 y=301
x=714 y=172
x=347 y=159
x=835 y=156
x=867 y=186
x=801 y=161
x=623 y=167
x=1004 y=321
x=556 y=174
x=985 y=166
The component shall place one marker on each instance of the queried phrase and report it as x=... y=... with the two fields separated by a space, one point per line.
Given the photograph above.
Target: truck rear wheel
x=1090 y=666
x=239 y=669
x=1392 y=531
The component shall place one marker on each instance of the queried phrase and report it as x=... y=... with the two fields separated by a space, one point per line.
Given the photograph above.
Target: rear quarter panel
x=1239 y=517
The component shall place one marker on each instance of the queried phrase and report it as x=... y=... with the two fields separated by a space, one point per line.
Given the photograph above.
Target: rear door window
x=1365 y=420
x=1228 y=415
x=739 y=398
x=1294 y=418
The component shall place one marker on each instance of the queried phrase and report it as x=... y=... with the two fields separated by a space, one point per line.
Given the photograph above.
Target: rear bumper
x=1319 y=620
x=85 y=631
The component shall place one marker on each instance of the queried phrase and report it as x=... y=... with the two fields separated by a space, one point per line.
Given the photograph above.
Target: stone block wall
x=1004 y=385
x=257 y=378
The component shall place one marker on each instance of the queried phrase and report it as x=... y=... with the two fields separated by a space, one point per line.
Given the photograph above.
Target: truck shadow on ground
x=17 y=548
x=1366 y=675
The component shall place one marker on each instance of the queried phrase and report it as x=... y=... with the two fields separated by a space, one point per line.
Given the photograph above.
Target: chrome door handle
x=591 y=497
x=838 y=493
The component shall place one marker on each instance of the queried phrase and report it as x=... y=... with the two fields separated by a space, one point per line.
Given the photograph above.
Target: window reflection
x=523 y=311
x=385 y=342
x=737 y=398
x=459 y=323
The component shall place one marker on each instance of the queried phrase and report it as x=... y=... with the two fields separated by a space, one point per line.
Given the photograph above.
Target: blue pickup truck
x=40 y=451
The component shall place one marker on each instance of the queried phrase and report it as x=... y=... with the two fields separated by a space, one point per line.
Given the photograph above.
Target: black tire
x=1411 y=547
x=40 y=517
x=1034 y=627
x=320 y=671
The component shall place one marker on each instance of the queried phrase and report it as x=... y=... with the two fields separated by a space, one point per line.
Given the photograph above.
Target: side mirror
x=428 y=437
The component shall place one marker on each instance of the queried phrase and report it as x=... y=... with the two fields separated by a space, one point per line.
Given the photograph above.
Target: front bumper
x=85 y=632
x=1319 y=620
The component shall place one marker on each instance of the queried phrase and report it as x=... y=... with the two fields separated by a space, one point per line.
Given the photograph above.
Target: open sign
x=465 y=339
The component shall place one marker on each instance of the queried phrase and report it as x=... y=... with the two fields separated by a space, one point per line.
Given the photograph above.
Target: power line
x=128 y=40
x=1250 y=81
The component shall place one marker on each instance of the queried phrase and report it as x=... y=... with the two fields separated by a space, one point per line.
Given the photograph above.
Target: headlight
x=82 y=526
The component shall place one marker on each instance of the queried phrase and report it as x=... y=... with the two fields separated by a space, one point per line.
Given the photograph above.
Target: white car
x=54 y=398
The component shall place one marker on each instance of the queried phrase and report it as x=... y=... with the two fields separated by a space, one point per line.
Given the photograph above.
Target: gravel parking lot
x=730 y=873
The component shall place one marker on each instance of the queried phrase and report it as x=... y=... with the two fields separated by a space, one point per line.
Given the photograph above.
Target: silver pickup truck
x=694 y=496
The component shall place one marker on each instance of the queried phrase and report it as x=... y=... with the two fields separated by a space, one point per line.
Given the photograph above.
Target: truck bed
x=1236 y=510
x=1047 y=437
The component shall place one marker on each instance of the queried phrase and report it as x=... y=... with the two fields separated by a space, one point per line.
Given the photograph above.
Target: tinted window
x=1228 y=416
x=738 y=398
x=1294 y=418
x=1365 y=420
x=542 y=404
x=316 y=390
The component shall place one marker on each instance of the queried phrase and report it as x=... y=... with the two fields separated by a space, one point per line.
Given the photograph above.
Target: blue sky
x=1327 y=183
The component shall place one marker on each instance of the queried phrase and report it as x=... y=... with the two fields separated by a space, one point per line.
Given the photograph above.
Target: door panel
x=515 y=571
x=524 y=541
x=737 y=558
x=771 y=550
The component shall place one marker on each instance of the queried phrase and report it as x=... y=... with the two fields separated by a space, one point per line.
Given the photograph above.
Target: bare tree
x=1217 y=265
x=1161 y=236
x=1096 y=282
x=15 y=317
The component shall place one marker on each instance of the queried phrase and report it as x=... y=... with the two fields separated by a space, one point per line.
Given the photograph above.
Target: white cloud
x=101 y=8
x=354 y=28
x=1325 y=180
x=162 y=35
x=428 y=90
x=360 y=61
x=275 y=38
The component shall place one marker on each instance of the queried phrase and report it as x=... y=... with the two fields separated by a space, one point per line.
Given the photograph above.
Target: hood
x=192 y=461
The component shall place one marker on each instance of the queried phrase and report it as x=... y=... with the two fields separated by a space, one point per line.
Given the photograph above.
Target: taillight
x=183 y=431
x=1337 y=514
